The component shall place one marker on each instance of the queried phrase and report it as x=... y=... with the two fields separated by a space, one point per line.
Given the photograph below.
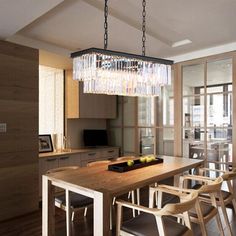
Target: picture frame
x=45 y=143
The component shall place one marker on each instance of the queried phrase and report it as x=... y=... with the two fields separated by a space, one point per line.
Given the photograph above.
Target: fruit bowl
x=138 y=163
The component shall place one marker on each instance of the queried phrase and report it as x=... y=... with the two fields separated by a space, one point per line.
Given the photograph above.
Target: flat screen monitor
x=93 y=138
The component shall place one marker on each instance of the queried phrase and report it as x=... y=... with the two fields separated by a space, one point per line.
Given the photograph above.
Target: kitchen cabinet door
x=64 y=161
x=83 y=105
x=46 y=164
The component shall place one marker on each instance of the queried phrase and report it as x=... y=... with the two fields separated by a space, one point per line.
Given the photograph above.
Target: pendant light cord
x=105 y=25
x=144 y=28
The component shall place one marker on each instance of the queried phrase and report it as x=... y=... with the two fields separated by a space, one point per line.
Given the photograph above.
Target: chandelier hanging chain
x=105 y=25
x=144 y=28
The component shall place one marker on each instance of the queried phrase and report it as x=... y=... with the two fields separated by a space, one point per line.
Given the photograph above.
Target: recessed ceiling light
x=181 y=43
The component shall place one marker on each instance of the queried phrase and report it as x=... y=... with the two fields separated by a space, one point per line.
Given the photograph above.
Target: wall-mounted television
x=93 y=138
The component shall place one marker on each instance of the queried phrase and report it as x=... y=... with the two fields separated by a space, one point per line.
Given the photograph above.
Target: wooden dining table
x=102 y=185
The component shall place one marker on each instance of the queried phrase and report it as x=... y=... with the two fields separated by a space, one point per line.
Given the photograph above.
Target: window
x=144 y=124
x=51 y=103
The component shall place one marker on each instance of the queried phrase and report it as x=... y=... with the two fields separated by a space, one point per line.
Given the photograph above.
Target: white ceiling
x=66 y=26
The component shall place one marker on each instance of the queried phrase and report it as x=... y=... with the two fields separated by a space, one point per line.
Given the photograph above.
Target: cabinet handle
x=111 y=151
x=92 y=154
x=63 y=158
x=52 y=159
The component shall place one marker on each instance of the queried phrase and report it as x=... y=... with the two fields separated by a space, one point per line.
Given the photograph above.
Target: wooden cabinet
x=110 y=153
x=82 y=105
x=64 y=161
x=89 y=157
x=75 y=159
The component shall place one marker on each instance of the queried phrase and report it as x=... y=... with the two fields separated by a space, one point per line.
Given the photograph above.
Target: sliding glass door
x=207 y=110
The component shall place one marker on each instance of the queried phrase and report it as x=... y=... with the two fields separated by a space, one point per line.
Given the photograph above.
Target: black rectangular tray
x=123 y=167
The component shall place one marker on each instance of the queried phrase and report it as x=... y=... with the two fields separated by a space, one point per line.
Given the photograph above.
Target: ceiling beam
x=128 y=20
x=34 y=43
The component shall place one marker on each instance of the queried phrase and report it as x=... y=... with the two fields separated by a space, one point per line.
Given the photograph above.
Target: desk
x=102 y=185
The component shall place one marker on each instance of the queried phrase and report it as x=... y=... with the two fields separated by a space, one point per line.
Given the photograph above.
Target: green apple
x=130 y=162
x=149 y=159
x=153 y=157
x=142 y=159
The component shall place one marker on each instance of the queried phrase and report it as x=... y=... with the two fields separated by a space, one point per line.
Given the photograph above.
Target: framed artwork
x=45 y=143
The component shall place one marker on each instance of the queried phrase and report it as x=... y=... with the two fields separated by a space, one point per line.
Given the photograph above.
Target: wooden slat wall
x=19 y=145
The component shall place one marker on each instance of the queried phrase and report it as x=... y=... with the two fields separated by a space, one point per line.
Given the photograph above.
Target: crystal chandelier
x=117 y=73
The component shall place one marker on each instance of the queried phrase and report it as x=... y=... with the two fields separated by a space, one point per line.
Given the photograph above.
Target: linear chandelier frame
x=111 y=72
x=121 y=54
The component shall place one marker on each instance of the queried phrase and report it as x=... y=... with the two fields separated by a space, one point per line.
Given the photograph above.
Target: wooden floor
x=30 y=225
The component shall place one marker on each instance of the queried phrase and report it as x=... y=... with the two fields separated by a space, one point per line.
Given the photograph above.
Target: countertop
x=75 y=151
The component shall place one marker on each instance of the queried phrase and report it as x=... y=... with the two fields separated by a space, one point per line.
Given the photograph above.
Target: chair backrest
x=126 y=158
x=185 y=205
x=229 y=175
x=212 y=187
x=97 y=163
x=64 y=168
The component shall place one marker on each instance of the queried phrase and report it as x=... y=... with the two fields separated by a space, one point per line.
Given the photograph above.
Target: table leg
x=68 y=214
x=101 y=213
x=48 y=209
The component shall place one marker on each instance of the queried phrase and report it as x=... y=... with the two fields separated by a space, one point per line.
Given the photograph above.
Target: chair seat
x=76 y=200
x=225 y=194
x=145 y=225
x=205 y=209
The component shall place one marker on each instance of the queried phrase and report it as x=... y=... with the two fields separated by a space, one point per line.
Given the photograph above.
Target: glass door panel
x=129 y=141
x=165 y=141
x=146 y=141
x=193 y=111
x=146 y=111
x=166 y=107
x=219 y=73
x=129 y=111
x=193 y=79
x=219 y=110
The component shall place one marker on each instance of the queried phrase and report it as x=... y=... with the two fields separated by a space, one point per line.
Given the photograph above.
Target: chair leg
x=85 y=211
x=72 y=216
x=110 y=217
x=200 y=218
x=151 y=198
x=226 y=217
x=156 y=198
x=114 y=201
x=219 y=224
x=138 y=198
x=133 y=201
x=234 y=204
x=129 y=194
x=203 y=228
x=159 y=200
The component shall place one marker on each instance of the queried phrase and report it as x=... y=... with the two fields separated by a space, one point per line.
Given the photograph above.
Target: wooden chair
x=203 y=211
x=97 y=163
x=154 y=221
x=77 y=201
x=226 y=197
